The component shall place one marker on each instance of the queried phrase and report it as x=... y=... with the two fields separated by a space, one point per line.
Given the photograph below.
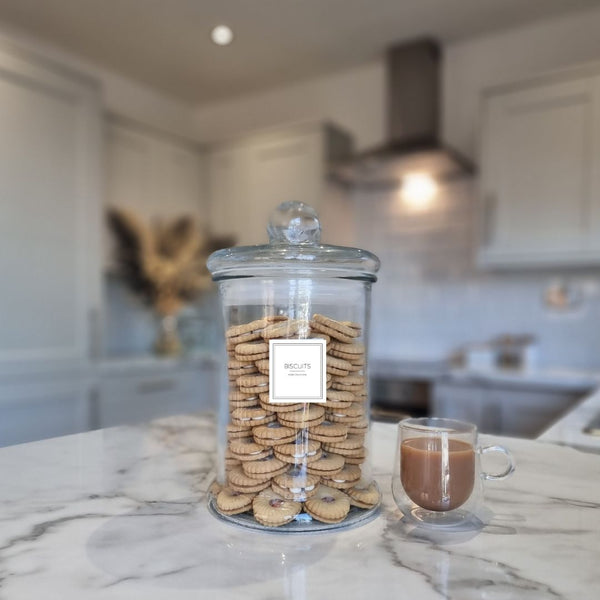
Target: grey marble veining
x=121 y=513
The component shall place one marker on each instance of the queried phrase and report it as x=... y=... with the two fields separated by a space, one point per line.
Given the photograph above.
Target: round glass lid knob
x=294 y=223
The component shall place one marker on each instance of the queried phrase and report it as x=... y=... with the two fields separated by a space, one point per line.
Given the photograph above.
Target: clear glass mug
x=438 y=479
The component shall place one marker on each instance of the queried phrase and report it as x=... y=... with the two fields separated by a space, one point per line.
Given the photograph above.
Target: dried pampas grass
x=165 y=262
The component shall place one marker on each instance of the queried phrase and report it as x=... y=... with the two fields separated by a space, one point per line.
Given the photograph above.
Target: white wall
x=472 y=65
x=353 y=99
x=120 y=95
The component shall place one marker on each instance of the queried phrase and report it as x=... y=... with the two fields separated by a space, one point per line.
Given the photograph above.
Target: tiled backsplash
x=430 y=298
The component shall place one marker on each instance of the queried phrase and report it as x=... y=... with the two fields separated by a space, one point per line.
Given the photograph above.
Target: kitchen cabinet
x=103 y=397
x=249 y=177
x=153 y=175
x=501 y=409
x=129 y=398
x=50 y=159
x=540 y=187
x=526 y=413
x=43 y=409
x=229 y=202
x=467 y=403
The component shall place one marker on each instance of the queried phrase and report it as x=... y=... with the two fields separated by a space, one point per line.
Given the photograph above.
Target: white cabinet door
x=129 y=182
x=283 y=170
x=228 y=193
x=594 y=216
x=537 y=162
x=43 y=409
x=151 y=175
x=129 y=399
x=470 y=403
x=177 y=180
x=49 y=213
x=501 y=410
x=526 y=413
x=251 y=177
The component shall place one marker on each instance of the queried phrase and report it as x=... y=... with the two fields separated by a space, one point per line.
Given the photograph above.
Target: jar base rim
x=305 y=524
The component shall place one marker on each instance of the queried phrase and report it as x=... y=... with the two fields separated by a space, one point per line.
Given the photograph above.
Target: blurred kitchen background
x=459 y=140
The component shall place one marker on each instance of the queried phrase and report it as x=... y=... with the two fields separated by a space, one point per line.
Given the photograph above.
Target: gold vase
x=167 y=341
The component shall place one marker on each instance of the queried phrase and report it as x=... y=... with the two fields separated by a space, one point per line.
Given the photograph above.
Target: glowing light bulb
x=221 y=35
x=418 y=190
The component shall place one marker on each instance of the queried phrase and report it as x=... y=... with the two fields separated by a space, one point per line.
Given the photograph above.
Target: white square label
x=297 y=371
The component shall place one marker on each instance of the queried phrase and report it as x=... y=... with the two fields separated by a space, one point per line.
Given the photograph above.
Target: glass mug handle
x=509 y=469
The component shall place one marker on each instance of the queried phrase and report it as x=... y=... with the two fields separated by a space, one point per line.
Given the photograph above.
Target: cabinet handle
x=94 y=408
x=95 y=339
x=153 y=387
x=489 y=214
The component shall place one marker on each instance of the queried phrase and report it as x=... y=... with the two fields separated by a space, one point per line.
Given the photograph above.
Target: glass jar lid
x=294 y=249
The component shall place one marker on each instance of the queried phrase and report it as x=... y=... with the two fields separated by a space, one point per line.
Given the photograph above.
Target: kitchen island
x=121 y=513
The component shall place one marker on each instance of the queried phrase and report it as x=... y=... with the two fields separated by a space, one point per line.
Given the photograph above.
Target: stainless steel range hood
x=414 y=141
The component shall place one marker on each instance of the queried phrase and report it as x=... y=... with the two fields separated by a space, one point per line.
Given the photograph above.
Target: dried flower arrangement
x=164 y=263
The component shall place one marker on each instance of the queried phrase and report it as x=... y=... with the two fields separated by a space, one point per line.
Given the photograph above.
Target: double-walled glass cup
x=438 y=479
x=294 y=418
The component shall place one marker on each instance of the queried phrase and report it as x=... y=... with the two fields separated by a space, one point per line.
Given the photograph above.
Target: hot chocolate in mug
x=438 y=479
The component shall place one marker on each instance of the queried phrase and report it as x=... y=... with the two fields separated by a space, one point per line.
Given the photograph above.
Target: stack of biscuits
x=283 y=459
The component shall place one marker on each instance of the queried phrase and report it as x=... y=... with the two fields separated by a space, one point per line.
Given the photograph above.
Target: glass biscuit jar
x=293 y=453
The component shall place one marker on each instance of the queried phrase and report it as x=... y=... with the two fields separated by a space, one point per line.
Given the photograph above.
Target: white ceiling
x=165 y=43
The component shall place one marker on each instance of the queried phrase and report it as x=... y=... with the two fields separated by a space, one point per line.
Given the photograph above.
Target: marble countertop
x=121 y=514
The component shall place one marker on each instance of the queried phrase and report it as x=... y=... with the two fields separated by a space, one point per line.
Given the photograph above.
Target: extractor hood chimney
x=414 y=143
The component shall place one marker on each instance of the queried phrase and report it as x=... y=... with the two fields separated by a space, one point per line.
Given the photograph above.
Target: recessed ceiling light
x=221 y=35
